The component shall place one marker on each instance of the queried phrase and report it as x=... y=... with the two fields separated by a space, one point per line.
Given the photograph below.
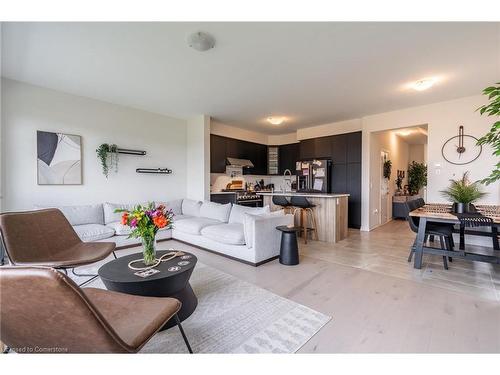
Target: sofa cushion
x=79 y=215
x=249 y=224
x=194 y=225
x=93 y=232
x=191 y=207
x=109 y=210
x=119 y=228
x=174 y=205
x=238 y=212
x=181 y=217
x=231 y=234
x=216 y=211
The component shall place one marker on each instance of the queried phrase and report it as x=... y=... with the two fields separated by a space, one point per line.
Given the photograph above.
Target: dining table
x=443 y=213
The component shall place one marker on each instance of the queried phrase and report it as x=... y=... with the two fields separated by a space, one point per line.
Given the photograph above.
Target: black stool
x=289 y=250
x=305 y=207
x=279 y=200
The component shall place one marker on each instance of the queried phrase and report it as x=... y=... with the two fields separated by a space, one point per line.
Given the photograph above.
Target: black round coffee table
x=171 y=281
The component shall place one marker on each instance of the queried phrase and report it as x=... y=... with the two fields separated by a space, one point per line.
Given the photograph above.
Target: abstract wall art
x=59 y=159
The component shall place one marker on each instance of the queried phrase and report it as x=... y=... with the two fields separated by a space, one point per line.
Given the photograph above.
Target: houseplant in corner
x=417 y=177
x=493 y=136
x=145 y=222
x=462 y=193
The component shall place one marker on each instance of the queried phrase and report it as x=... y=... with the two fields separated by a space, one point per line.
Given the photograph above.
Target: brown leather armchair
x=43 y=311
x=46 y=238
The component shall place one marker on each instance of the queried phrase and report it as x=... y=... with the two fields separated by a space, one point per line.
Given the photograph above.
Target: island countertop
x=329 y=212
x=295 y=194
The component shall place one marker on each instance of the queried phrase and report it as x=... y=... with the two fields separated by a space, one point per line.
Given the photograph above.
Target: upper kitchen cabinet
x=354 y=147
x=288 y=155
x=308 y=149
x=222 y=148
x=339 y=149
x=217 y=154
x=322 y=147
x=257 y=154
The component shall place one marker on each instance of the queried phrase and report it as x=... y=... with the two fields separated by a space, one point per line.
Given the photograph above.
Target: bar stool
x=279 y=200
x=306 y=215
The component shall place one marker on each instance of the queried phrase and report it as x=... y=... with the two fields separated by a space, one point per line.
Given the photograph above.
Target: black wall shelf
x=154 y=170
x=131 y=152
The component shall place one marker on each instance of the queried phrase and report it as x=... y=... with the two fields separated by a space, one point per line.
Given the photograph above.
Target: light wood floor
x=377 y=301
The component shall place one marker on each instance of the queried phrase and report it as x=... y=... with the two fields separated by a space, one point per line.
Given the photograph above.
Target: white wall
x=229 y=131
x=398 y=153
x=198 y=158
x=443 y=120
x=417 y=153
x=28 y=108
x=333 y=128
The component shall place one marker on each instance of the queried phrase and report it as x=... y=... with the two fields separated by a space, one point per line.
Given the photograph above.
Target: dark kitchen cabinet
x=354 y=189
x=322 y=147
x=217 y=154
x=345 y=152
x=339 y=149
x=307 y=149
x=354 y=147
x=222 y=148
x=339 y=178
x=288 y=155
x=257 y=154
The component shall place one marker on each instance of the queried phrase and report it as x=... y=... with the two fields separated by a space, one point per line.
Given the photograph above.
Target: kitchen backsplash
x=218 y=181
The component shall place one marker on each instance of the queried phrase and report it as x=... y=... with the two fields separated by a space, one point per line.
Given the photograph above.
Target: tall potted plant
x=462 y=193
x=145 y=222
x=493 y=136
x=417 y=177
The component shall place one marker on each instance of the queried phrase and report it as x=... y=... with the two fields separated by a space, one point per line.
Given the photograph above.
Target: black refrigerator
x=314 y=175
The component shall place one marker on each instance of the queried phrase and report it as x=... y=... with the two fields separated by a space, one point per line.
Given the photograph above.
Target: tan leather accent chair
x=44 y=311
x=46 y=238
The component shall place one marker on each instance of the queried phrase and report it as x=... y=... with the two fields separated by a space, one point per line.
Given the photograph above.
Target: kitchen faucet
x=288 y=180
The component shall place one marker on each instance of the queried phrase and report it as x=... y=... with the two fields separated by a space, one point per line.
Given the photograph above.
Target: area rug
x=234 y=316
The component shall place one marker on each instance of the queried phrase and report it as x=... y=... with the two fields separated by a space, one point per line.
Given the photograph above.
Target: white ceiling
x=312 y=73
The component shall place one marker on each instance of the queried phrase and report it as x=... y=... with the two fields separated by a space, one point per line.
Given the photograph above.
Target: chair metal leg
x=449 y=246
x=178 y=322
x=115 y=255
x=92 y=277
x=445 y=259
x=6 y=350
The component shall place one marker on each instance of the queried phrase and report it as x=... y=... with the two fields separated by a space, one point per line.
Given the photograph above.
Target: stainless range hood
x=243 y=163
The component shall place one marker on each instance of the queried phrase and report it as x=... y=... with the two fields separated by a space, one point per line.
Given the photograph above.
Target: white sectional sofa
x=246 y=234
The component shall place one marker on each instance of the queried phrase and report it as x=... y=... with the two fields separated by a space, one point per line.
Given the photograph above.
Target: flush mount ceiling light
x=424 y=84
x=275 y=120
x=201 y=41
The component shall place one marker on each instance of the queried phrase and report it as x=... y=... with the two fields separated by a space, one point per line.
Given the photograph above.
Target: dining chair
x=443 y=231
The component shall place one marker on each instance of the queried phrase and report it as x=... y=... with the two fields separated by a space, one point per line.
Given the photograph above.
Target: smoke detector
x=201 y=41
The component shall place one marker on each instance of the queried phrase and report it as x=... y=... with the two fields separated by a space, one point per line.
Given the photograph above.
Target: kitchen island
x=330 y=212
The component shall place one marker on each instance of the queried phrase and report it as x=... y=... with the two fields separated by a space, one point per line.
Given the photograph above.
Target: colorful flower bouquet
x=145 y=222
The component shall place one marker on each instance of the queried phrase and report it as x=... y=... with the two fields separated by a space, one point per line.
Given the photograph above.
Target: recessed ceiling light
x=423 y=84
x=275 y=120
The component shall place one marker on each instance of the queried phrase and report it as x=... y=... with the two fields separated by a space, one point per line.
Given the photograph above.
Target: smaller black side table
x=289 y=250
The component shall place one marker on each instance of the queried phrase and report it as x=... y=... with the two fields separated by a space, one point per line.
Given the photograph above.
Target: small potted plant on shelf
x=105 y=152
x=145 y=222
x=462 y=193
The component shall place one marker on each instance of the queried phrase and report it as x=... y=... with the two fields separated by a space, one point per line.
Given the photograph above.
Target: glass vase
x=149 y=250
